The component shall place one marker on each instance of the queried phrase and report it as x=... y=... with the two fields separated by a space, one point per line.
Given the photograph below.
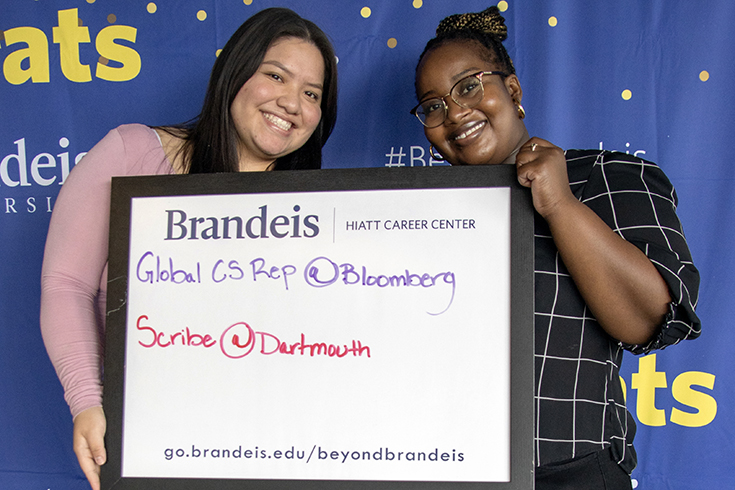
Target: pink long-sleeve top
x=74 y=274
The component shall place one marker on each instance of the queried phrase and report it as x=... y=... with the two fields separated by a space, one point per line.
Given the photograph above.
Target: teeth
x=469 y=131
x=284 y=125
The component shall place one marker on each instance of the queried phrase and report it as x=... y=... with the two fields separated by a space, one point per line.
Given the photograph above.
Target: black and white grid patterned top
x=579 y=400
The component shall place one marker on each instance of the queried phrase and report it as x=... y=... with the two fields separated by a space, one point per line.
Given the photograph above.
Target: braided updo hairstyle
x=487 y=28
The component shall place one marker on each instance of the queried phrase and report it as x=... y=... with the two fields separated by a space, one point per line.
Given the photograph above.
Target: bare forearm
x=622 y=288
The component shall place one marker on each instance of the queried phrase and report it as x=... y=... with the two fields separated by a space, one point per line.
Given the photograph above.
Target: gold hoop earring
x=436 y=156
x=521 y=111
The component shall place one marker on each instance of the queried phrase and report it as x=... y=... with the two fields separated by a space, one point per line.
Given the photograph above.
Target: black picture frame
x=124 y=189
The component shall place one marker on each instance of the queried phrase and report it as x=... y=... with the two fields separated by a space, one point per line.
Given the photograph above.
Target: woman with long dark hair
x=271 y=104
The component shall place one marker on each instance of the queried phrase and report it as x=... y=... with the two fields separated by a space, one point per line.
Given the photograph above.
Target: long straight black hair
x=210 y=141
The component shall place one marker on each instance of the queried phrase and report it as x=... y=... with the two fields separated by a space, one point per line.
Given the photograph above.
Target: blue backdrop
x=646 y=77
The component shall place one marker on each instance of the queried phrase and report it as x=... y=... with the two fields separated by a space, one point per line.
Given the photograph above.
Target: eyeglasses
x=467 y=93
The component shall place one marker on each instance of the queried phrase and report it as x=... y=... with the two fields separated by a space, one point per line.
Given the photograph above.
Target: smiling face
x=489 y=133
x=279 y=107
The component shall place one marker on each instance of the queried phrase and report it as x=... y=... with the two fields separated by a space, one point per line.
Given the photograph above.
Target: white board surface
x=344 y=335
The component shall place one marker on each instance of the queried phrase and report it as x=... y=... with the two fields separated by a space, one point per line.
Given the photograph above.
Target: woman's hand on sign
x=542 y=167
x=89 y=443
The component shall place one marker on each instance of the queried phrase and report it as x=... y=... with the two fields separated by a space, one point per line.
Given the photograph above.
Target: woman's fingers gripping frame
x=89 y=443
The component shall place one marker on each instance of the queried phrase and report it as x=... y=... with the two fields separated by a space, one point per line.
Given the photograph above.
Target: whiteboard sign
x=294 y=332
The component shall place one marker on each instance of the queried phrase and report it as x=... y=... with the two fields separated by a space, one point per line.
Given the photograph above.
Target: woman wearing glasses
x=613 y=270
